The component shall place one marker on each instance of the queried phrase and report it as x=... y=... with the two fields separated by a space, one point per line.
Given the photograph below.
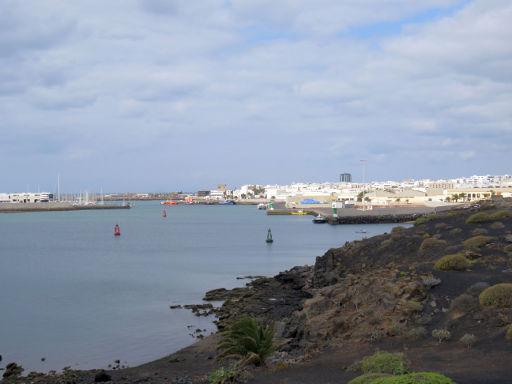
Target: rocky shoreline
x=382 y=293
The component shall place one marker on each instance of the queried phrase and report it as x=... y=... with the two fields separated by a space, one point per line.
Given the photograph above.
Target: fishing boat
x=168 y=202
x=229 y=202
x=262 y=206
x=319 y=219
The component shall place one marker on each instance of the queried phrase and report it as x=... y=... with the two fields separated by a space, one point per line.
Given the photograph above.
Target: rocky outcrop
x=272 y=299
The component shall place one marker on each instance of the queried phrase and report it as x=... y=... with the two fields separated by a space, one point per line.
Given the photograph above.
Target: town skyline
x=476 y=181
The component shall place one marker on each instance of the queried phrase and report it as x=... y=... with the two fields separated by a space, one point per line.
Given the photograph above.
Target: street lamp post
x=364 y=185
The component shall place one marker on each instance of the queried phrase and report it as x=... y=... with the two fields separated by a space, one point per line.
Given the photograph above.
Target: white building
x=28 y=197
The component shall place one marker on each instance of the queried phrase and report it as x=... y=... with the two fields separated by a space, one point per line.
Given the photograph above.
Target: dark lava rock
x=198 y=306
x=222 y=294
x=101 y=377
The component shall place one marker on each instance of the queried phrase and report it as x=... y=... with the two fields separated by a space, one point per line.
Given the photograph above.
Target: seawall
x=54 y=206
x=374 y=216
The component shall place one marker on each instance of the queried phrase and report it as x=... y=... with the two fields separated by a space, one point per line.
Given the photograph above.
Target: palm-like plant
x=248 y=341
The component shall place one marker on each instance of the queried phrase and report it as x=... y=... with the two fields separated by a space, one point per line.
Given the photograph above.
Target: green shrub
x=431 y=243
x=397 y=229
x=497 y=225
x=420 y=221
x=499 y=295
x=415 y=378
x=384 y=362
x=440 y=225
x=449 y=214
x=468 y=340
x=413 y=306
x=441 y=334
x=501 y=215
x=367 y=378
x=479 y=231
x=228 y=375
x=455 y=262
x=396 y=328
x=480 y=217
x=455 y=231
x=508 y=335
x=247 y=341
x=464 y=303
x=386 y=243
x=477 y=241
x=415 y=333
x=423 y=220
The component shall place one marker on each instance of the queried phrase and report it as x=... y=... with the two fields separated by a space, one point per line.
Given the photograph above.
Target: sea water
x=72 y=294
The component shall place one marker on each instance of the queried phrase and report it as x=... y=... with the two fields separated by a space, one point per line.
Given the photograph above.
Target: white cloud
x=164 y=75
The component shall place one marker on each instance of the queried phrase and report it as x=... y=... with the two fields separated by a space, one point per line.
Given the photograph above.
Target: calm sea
x=76 y=295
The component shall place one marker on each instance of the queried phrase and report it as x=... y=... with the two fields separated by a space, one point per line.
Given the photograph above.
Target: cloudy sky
x=162 y=95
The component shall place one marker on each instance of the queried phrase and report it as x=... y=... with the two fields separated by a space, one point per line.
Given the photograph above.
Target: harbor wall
x=55 y=206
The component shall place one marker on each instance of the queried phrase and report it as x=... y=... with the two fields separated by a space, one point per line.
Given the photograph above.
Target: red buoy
x=164 y=214
x=117 y=232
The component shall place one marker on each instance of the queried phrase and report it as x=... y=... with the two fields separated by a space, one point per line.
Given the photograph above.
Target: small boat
x=117 y=232
x=168 y=202
x=269 y=237
x=262 y=206
x=319 y=219
x=361 y=231
x=229 y=202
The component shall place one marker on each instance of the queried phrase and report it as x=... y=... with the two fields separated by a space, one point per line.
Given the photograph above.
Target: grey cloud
x=24 y=29
x=159 y=7
x=61 y=98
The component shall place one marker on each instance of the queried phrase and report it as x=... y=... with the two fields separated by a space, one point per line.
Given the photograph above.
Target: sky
x=180 y=95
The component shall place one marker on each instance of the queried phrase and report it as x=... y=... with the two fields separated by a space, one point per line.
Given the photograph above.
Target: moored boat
x=168 y=202
x=229 y=202
x=319 y=219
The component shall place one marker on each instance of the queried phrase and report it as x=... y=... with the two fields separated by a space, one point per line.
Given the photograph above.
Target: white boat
x=262 y=206
x=319 y=219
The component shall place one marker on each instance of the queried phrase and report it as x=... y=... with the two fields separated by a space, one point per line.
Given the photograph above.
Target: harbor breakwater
x=55 y=206
x=374 y=216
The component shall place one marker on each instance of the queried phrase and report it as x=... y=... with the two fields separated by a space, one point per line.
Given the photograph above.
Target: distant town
x=410 y=192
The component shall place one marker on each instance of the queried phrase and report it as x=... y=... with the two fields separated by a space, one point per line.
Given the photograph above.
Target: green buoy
x=269 y=236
